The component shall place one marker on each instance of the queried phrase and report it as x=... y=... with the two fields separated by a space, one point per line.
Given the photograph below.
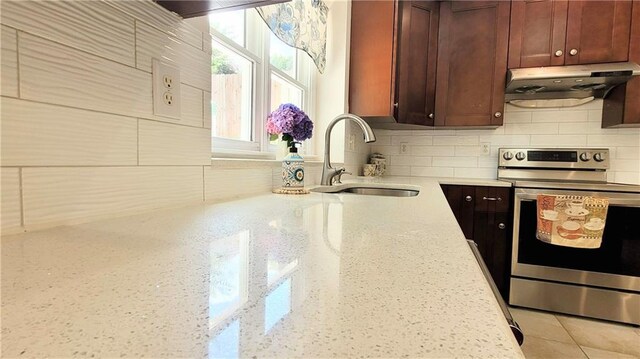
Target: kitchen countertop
x=317 y=275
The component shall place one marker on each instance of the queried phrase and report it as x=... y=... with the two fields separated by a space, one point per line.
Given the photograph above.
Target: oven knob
x=507 y=156
x=599 y=157
x=585 y=156
x=520 y=156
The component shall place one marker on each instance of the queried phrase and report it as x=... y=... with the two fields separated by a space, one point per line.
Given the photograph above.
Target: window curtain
x=301 y=24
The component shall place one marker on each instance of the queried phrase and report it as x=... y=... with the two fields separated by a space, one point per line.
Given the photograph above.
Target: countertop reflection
x=319 y=275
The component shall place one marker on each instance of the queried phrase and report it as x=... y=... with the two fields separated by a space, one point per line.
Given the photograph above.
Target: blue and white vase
x=293 y=170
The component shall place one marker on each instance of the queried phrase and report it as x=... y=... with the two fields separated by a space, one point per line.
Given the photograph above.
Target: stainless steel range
x=601 y=282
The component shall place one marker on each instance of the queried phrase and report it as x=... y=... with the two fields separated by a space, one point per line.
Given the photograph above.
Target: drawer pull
x=492 y=199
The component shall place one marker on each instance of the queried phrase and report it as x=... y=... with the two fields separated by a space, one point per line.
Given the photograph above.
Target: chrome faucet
x=329 y=173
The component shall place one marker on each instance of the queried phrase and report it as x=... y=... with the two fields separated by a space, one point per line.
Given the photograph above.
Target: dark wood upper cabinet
x=598 y=31
x=472 y=63
x=193 y=8
x=561 y=32
x=622 y=107
x=393 y=59
x=417 y=55
x=538 y=32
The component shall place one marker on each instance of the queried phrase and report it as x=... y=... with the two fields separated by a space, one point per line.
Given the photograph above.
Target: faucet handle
x=339 y=172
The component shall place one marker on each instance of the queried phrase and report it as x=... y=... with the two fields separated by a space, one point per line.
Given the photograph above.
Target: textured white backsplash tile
x=168 y=144
x=36 y=134
x=10 y=194
x=9 y=62
x=457 y=153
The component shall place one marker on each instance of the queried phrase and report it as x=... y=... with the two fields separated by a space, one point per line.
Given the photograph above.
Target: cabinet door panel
x=461 y=200
x=417 y=61
x=371 y=74
x=472 y=63
x=491 y=233
x=598 y=31
x=538 y=29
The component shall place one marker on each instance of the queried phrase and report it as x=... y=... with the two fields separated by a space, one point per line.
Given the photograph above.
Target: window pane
x=282 y=56
x=231 y=89
x=283 y=91
x=230 y=24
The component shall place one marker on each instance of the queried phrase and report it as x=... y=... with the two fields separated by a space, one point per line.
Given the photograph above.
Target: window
x=252 y=73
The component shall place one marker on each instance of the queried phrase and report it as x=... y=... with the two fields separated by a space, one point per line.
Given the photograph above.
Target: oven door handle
x=515 y=328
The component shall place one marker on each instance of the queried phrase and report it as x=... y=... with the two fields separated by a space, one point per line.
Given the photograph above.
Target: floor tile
x=534 y=348
x=594 y=353
x=602 y=335
x=541 y=325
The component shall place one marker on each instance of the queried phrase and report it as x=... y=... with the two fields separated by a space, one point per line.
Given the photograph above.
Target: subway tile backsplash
x=458 y=153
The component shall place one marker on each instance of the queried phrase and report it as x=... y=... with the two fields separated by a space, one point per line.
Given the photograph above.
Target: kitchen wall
x=457 y=153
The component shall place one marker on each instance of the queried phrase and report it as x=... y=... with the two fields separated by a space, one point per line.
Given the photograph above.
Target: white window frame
x=259 y=146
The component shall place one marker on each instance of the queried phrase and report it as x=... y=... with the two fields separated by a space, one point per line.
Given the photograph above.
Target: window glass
x=229 y=24
x=231 y=92
x=282 y=91
x=282 y=56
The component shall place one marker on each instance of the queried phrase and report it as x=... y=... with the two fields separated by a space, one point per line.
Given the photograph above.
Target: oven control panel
x=567 y=158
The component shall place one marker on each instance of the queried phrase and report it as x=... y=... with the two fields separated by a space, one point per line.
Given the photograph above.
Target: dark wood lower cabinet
x=485 y=216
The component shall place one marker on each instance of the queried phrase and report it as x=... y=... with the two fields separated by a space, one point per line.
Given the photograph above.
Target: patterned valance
x=301 y=24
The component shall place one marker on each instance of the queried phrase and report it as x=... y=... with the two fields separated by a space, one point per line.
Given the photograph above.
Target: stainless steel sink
x=369 y=190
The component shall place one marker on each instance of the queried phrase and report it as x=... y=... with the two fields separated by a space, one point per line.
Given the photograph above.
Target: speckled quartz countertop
x=318 y=275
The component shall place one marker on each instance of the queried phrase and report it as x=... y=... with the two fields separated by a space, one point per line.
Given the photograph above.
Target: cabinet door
x=461 y=201
x=472 y=63
x=622 y=107
x=538 y=31
x=598 y=31
x=371 y=71
x=416 y=74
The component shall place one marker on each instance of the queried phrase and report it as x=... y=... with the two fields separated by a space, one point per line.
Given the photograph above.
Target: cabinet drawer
x=492 y=199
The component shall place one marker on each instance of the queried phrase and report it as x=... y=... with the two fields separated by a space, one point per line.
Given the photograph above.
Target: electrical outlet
x=352 y=142
x=166 y=89
x=404 y=148
x=485 y=148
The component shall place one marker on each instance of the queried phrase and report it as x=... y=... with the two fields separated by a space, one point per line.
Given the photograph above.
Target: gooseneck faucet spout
x=328 y=172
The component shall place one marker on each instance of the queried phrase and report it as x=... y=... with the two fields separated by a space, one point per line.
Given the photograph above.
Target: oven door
x=615 y=265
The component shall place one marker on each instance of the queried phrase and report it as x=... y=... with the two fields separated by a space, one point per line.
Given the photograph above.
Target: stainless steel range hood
x=567 y=82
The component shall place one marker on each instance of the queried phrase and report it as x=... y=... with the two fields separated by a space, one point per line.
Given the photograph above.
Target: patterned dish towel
x=571 y=221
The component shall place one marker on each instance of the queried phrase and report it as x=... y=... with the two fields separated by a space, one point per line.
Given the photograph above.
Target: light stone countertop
x=318 y=275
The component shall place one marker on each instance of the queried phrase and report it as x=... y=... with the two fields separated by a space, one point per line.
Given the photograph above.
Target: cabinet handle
x=501 y=226
x=559 y=53
x=468 y=198
x=492 y=198
x=497 y=114
x=395 y=105
x=431 y=116
x=573 y=52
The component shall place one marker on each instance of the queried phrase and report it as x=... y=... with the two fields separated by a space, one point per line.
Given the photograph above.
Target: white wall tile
x=409 y=161
x=381 y=140
x=153 y=14
x=91 y=26
x=225 y=184
x=432 y=150
x=398 y=171
x=488 y=173
x=625 y=165
x=627 y=177
x=191 y=107
x=206 y=101
x=627 y=153
x=35 y=134
x=455 y=140
x=468 y=150
x=50 y=72
x=431 y=172
x=169 y=144
x=555 y=116
x=194 y=64
x=517 y=117
x=454 y=162
x=9 y=62
x=530 y=128
x=507 y=140
x=386 y=150
x=412 y=140
x=65 y=195
x=10 y=204
x=613 y=140
x=559 y=140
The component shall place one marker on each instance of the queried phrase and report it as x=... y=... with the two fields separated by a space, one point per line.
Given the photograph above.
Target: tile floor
x=550 y=336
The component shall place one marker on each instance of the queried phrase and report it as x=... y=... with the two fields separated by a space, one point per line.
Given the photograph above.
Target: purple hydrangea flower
x=289 y=119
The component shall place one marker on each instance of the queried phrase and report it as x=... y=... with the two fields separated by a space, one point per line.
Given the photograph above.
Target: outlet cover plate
x=166 y=85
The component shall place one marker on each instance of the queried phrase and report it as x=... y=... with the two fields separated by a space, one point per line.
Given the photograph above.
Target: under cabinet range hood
x=570 y=83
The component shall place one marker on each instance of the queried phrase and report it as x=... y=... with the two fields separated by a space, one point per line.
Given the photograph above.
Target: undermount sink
x=357 y=188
